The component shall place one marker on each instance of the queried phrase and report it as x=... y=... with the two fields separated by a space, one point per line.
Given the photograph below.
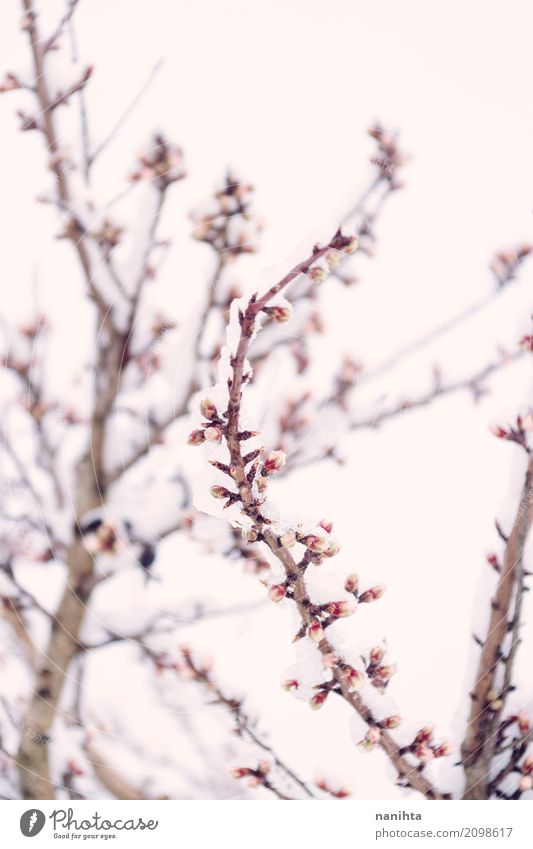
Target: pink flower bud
x=377 y=654
x=372 y=594
x=288 y=539
x=208 y=409
x=315 y=631
x=264 y=767
x=351 y=583
x=424 y=753
x=443 y=750
x=274 y=461
x=373 y=734
x=332 y=549
x=386 y=672
x=524 y=723
x=391 y=722
x=240 y=772
x=527 y=766
x=353 y=678
x=424 y=735
x=279 y=314
x=290 y=684
x=526 y=344
x=328 y=526
x=492 y=560
x=196 y=437
x=318 y=699
x=317 y=544
x=340 y=608
x=525 y=783
x=219 y=492
x=277 y=592
x=213 y=434
x=499 y=432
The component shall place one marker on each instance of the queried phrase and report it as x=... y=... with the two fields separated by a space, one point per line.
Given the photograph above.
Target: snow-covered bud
x=523 y=722
x=351 y=583
x=340 y=608
x=277 y=592
x=288 y=539
x=318 y=699
x=213 y=434
x=372 y=594
x=391 y=722
x=196 y=437
x=443 y=750
x=220 y=492
x=274 y=461
x=208 y=409
x=327 y=525
x=525 y=783
x=424 y=753
x=240 y=772
x=290 y=684
x=315 y=631
x=424 y=735
x=279 y=314
x=317 y=544
x=353 y=678
x=332 y=549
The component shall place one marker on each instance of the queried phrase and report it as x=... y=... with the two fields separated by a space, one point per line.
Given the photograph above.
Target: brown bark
x=478 y=748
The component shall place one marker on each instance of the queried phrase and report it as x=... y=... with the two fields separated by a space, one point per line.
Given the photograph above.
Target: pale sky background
x=284 y=92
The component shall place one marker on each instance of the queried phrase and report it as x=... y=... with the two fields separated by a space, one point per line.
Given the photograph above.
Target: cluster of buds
x=256 y=777
x=335 y=793
x=351 y=585
x=212 y=429
x=515 y=433
x=506 y=263
x=378 y=672
x=332 y=259
x=162 y=163
x=425 y=749
x=388 y=159
x=108 y=236
x=227 y=224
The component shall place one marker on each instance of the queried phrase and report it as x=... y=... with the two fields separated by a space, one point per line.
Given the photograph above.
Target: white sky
x=284 y=91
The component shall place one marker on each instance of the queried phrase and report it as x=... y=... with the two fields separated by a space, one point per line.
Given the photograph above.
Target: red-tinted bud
x=353 y=678
x=391 y=722
x=277 y=592
x=372 y=594
x=377 y=654
x=340 y=608
x=315 y=631
x=443 y=750
x=523 y=722
x=424 y=735
x=290 y=684
x=196 y=437
x=424 y=753
x=499 y=431
x=240 y=772
x=526 y=344
x=274 y=461
x=317 y=544
x=351 y=583
x=328 y=526
x=318 y=699
x=279 y=314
